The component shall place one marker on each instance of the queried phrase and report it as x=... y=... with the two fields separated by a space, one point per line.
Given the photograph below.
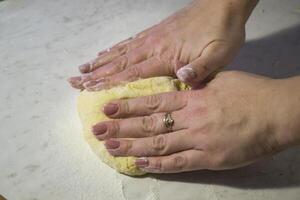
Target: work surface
x=43 y=155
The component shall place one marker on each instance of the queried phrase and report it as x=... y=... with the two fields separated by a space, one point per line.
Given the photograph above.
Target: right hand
x=192 y=44
x=235 y=120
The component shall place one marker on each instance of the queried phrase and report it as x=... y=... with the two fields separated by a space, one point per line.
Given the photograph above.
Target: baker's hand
x=233 y=121
x=192 y=43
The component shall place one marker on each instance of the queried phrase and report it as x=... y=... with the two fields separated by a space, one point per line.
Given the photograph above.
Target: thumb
x=213 y=57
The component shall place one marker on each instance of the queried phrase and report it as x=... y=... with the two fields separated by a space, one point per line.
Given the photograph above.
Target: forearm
x=241 y=9
x=288 y=110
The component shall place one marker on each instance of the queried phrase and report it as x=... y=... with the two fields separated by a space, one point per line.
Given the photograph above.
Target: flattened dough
x=90 y=112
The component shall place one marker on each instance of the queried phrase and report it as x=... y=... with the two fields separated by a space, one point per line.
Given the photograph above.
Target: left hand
x=191 y=44
x=231 y=122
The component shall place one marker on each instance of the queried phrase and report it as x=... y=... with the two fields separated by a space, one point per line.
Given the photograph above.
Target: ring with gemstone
x=168 y=121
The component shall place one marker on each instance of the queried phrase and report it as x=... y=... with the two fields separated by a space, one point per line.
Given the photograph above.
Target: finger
x=77 y=81
x=126 y=41
x=138 y=127
x=146 y=105
x=188 y=160
x=120 y=64
x=103 y=59
x=163 y=144
x=213 y=57
x=111 y=54
x=148 y=68
x=141 y=34
x=94 y=79
x=147 y=31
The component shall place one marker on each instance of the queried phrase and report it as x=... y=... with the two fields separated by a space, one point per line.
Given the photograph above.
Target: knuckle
x=122 y=49
x=127 y=148
x=121 y=63
x=153 y=40
x=179 y=162
x=157 y=165
x=153 y=102
x=136 y=43
x=114 y=129
x=126 y=41
x=133 y=72
x=159 y=143
x=124 y=108
x=181 y=97
x=193 y=94
x=148 y=124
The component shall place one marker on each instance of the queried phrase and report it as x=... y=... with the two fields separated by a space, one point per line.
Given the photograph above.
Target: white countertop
x=42 y=153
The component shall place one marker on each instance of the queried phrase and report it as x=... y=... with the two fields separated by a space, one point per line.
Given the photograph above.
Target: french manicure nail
x=186 y=73
x=142 y=162
x=74 y=79
x=95 y=85
x=86 y=77
x=99 y=129
x=84 y=68
x=101 y=52
x=75 y=82
x=112 y=144
x=89 y=83
x=150 y=170
x=110 y=109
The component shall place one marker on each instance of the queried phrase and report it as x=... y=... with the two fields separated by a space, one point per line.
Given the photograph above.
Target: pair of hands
x=226 y=124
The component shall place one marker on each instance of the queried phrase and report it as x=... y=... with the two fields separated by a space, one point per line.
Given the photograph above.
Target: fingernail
x=89 y=83
x=84 y=68
x=95 y=85
x=75 y=82
x=99 y=129
x=150 y=169
x=75 y=79
x=110 y=109
x=102 y=52
x=186 y=73
x=142 y=162
x=92 y=83
x=112 y=144
x=86 y=77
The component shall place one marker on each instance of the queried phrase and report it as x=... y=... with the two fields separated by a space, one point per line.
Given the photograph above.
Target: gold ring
x=168 y=121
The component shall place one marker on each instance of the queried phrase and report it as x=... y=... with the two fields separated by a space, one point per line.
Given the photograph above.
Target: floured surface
x=43 y=154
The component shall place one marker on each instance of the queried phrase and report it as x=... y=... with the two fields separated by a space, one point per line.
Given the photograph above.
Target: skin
x=188 y=44
x=230 y=122
x=213 y=128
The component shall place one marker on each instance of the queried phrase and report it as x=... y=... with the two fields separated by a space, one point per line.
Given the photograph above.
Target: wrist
x=286 y=111
x=242 y=8
x=239 y=10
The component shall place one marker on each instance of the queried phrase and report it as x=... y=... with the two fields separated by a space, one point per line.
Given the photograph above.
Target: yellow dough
x=90 y=112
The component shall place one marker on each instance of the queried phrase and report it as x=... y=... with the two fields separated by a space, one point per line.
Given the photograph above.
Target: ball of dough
x=90 y=112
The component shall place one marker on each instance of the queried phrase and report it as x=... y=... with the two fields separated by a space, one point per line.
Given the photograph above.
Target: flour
x=85 y=175
x=153 y=188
